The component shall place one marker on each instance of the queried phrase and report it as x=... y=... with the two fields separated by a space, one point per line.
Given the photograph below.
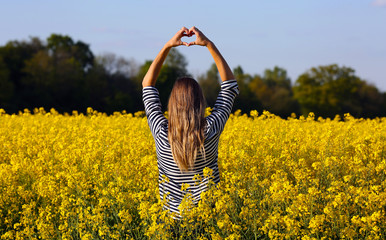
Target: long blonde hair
x=186 y=110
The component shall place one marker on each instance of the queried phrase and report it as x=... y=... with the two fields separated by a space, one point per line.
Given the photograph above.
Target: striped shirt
x=171 y=178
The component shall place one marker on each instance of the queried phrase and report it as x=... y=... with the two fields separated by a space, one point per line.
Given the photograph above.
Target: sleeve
x=153 y=109
x=223 y=106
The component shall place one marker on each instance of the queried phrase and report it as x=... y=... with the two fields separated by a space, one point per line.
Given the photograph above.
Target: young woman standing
x=187 y=142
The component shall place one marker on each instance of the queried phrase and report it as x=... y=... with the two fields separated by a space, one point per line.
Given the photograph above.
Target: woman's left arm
x=155 y=67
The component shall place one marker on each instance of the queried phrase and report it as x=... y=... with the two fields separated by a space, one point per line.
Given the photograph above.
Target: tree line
x=64 y=74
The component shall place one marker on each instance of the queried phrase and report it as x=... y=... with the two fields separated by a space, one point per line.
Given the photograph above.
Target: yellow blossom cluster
x=93 y=176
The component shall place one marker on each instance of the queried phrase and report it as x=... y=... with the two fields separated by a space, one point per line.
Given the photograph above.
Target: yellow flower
x=95 y=176
x=184 y=186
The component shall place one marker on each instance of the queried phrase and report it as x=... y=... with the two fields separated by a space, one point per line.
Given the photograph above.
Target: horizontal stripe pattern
x=167 y=167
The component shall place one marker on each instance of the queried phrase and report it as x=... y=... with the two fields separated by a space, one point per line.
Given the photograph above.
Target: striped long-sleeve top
x=173 y=188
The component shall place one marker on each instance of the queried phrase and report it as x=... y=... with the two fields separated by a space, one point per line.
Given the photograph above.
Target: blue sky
x=294 y=35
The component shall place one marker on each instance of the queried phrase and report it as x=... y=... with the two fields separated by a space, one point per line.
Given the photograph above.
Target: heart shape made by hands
x=189 y=39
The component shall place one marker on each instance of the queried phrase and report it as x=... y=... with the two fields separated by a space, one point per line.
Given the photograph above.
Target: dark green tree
x=247 y=99
x=6 y=86
x=12 y=62
x=176 y=60
x=210 y=84
x=277 y=77
x=278 y=96
x=173 y=68
x=113 y=85
x=63 y=48
x=372 y=101
x=56 y=74
x=330 y=90
x=64 y=74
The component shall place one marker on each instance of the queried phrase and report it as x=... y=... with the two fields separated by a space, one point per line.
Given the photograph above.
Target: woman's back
x=187 y=144
x=168 y=168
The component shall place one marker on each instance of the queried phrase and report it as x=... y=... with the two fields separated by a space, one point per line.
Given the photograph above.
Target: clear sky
x=256 y=34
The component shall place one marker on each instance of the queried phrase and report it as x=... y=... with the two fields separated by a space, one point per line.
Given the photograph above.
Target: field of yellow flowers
x=93 y=176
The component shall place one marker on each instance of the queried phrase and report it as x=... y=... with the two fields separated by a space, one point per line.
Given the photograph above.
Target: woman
x=187 y=142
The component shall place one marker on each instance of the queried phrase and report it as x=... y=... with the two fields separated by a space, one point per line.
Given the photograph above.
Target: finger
x=185 y=43
x=196 y=32
x=191 y=43
x=191 y=33
x=192 y=30
x=185 y=31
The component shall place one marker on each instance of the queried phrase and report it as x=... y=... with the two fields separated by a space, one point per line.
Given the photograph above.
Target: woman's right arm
x=222 y=66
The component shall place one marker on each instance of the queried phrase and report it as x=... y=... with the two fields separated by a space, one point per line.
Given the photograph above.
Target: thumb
x=192 y=43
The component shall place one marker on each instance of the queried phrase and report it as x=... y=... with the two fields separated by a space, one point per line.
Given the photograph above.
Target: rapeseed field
x=93 y=176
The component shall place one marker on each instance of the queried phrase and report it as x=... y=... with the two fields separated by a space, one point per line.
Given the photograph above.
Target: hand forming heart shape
x=192 y=38
x=201 y=39
x=187 y=33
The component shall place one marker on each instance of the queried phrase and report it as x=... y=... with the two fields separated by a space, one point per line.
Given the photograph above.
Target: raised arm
x=155 y=67
x=222 y=66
